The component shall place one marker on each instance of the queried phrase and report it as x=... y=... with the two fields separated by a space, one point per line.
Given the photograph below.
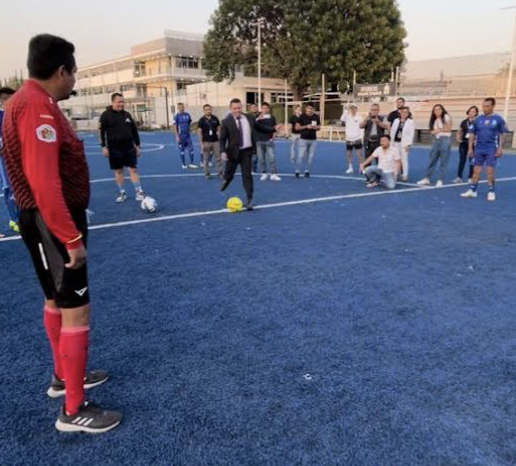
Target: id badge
x=211 y=132
x=314 y=123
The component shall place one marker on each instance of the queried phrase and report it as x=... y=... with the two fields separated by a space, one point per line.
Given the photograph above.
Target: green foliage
x=304 y=38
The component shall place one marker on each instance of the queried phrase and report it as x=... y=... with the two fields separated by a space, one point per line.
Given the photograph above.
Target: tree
x=304 y=38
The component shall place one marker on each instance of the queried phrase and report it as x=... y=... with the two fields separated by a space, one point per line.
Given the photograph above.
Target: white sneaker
x=491 y=196
x=192 y=165
x=424 y=182
x=264 y=177
x=457 y=180
x=122 y=197
x=184 y=167
x=404 y=178
x=140 y=196
x=350 y=170
x=469 y=194
x=275 y=177
x=439 y=184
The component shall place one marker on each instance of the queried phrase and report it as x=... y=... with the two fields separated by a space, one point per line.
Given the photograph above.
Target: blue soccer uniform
x=488 y=130
x=183 y=122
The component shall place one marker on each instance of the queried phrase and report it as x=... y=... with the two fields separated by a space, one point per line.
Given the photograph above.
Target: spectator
x=265 y=144
x=309 y=123
x=208 y=129
x=354 y=135
x=395 y=114
x=255 y=113
x=402 y=137
x=295 y=135
x=463 y=139
x=388 y=168
x=374 y=128
x=440 y=126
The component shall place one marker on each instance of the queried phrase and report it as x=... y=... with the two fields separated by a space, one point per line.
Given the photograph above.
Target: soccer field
x=334 y=325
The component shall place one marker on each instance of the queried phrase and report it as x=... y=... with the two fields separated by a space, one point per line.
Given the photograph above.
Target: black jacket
x=229 y=134
x=118 y=130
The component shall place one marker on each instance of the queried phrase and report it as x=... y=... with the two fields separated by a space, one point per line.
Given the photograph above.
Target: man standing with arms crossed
x=120 y=143
x=47 y=168
x=486 y=147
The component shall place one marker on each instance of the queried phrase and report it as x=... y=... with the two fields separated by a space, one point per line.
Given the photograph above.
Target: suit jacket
x=229 y=134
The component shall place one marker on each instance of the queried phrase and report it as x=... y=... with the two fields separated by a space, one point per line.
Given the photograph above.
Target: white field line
x=265 y=206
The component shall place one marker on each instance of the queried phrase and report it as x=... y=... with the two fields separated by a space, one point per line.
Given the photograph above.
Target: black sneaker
x=249 y=205
x=93 y=379
x=298 y=175
x=90 y=418
x=307 y=174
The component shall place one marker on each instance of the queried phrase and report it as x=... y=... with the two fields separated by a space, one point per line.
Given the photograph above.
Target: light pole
x=511 y=69
x=259 y=25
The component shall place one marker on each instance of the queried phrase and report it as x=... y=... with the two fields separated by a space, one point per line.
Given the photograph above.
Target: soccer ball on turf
x=149 y=204
x=235 y=204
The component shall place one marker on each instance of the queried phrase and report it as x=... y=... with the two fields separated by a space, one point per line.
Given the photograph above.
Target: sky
x=106 y=29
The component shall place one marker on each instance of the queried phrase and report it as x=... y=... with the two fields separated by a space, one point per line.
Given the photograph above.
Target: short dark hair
x=401 y=98
x=205 y=106
x=235 y=101
x=405 y=108
x=309 y=104
x=473 y=107
x=6 y=91
x=115 y=95
x=47 y=53
x=388 y=136
x=491 y=99
x=180 y=103
x=266 y=104
x=375 y=105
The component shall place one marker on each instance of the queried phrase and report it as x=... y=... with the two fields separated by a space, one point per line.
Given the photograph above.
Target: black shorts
x=69 y=288
x=118 y=159
x=357 y=145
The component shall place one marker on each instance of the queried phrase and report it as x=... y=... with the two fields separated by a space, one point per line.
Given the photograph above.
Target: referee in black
x=120 y=143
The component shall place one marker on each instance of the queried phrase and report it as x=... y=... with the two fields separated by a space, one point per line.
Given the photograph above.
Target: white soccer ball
x=149 y=204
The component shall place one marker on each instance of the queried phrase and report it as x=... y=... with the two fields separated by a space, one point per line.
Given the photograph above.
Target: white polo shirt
x=353 y=130
x=387 y=158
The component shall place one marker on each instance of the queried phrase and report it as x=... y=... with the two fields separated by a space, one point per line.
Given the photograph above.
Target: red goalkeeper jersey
x=45 y=161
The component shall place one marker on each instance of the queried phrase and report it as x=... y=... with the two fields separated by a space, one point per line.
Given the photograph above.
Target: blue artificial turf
x=363 y=331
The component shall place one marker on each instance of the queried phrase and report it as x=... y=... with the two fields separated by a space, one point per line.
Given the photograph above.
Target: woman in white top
x=441 y=128
x=402 y=137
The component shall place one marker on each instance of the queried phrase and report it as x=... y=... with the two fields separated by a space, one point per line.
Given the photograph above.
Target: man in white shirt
x=354 y=135
x=388 y=168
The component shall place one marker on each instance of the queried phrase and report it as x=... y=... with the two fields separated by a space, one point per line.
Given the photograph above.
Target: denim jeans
x=441 y=148
x=306 y=154
x=266 y=156
x=374 y=173
x=294 y=147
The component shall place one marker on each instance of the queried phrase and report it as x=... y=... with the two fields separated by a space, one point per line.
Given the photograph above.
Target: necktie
x=240 y=134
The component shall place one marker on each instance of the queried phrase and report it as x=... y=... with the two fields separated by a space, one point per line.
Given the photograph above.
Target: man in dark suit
x=237 y=146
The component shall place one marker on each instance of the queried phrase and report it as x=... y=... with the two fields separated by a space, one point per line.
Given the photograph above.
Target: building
x=153 y=78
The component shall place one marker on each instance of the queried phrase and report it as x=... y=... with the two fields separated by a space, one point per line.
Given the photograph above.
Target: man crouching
x=388 y=165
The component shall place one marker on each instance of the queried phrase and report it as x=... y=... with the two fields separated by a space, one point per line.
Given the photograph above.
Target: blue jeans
x=441 y=148
x=12 y=208
x=374 y=173
x=294 y=147
x=306 y=154
x=266 y=156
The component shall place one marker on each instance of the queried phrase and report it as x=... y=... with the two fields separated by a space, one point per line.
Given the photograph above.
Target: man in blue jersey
x=12 y=209
x=182 y=123
x=486 y=147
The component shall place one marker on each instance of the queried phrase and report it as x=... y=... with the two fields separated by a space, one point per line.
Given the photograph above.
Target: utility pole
x=511 y=69
x=259 y=24
x=323 y=98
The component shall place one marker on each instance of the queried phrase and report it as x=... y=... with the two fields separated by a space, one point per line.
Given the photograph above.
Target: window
x=181 y=86
x=187 y=62
x=279 y=97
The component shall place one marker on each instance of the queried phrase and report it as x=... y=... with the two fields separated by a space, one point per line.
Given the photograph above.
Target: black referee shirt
x=209 y=127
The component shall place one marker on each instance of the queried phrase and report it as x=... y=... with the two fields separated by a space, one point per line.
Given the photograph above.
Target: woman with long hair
x=463 y=139
x=441 y=128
